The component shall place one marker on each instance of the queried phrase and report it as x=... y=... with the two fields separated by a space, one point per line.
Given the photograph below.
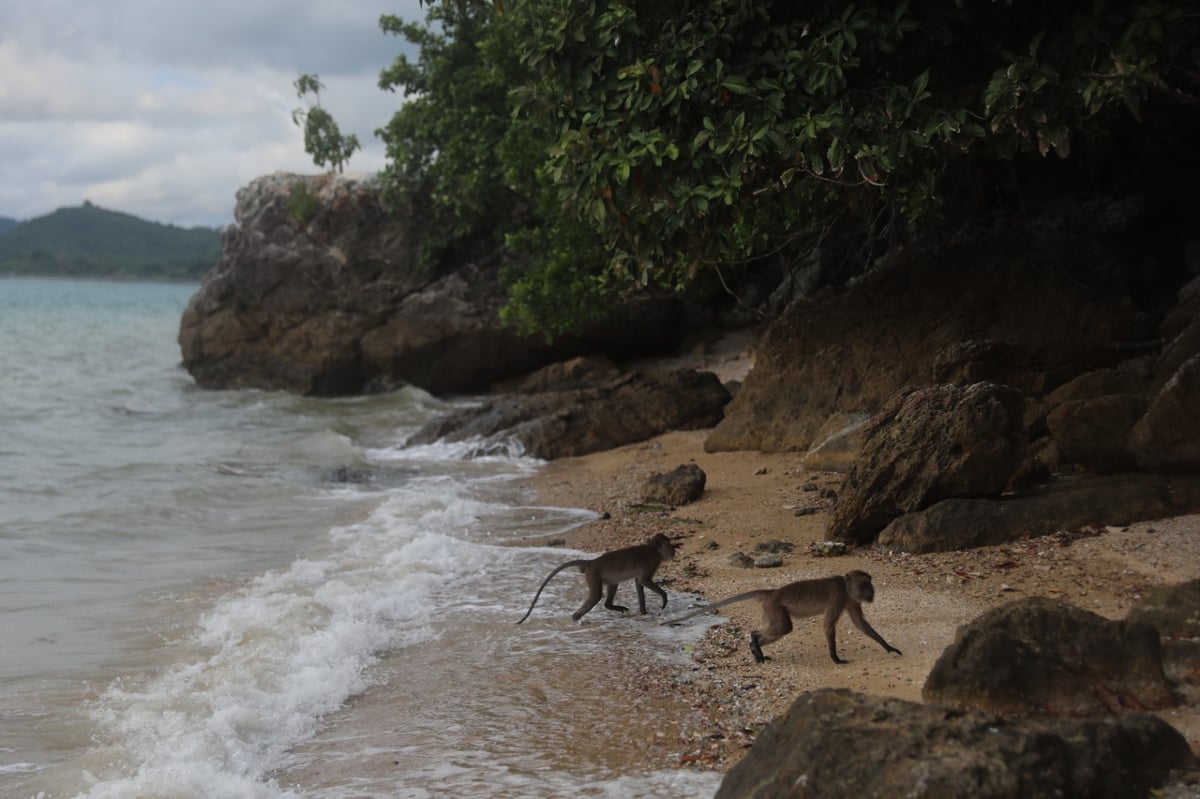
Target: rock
x=320 y=290
x=926 y=445
x=828 y=549
x=680 y=486
x=557 y=424
x=836 y=744
x=1167 y=438
x=1072 y=504
x=1184 y=315
x=1042 y=461
x=768 y=562
x=1094 y=433
x=1181 y=664
x=571 y=375
x=1036 y=657
x=1173 y=610
x=774 y=547
x=741 y=560
x=987 y=360
x=838 y=443
x=849 y=350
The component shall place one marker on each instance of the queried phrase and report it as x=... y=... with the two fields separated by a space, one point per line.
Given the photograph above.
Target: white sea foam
x=272 y=659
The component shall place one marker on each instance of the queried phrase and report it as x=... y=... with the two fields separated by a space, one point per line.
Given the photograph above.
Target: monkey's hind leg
x=778 y=623
x=594 y=592
x=612 y=594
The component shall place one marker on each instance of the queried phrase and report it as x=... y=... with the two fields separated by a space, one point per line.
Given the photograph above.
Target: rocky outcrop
x=1057 y=308
x=926 y=445
x=836 y=744
x=319 y=291
x=556 y=424
x=1036 y=657
x=1007 y=304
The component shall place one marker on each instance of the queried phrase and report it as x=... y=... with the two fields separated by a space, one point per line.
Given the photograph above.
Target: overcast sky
x=165 y=108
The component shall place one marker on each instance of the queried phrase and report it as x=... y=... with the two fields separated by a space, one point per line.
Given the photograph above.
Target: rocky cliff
x=320 y=290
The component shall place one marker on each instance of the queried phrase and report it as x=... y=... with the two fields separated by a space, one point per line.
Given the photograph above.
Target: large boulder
x=926 y=445
x=1067 y=504
x=835 y=744
x=1037 y=657
x=1167 y=437
x=1001 y=303
x=1094 y=433
x=310 y=267
x=320 y=290
x=556 y=424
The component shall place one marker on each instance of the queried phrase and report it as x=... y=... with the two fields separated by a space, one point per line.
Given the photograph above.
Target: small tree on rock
x=323 y=140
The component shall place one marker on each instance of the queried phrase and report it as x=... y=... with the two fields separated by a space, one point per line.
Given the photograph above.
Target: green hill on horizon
x=88 y=241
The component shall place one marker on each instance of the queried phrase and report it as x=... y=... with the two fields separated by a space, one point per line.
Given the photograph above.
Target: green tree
x=323 y=140
x=623 y=146
x=695 y=134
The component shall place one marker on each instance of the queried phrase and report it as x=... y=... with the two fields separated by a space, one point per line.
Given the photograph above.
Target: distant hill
x=91 y=242
x=6 y=224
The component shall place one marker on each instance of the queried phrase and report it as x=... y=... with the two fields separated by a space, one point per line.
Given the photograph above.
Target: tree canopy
x=621 y=145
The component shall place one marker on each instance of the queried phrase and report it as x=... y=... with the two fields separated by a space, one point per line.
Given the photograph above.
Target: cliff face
x=1029 y=303
x=318 y=291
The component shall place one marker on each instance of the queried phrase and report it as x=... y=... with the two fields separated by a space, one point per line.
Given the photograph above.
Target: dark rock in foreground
x=835 y=744
x=1037 y=657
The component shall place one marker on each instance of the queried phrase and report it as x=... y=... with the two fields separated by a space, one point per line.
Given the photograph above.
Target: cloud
x=165 y=109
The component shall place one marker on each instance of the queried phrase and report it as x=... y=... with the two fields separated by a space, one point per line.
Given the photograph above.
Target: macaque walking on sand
x=827 y=595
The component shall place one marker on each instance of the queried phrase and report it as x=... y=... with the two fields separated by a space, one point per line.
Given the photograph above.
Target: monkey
x=828 y=595
x=610 y=569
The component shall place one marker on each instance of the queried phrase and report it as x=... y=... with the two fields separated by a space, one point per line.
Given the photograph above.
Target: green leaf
x=737 y=85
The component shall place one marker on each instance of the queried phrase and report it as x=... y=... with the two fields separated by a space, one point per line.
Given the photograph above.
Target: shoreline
x=753 y=497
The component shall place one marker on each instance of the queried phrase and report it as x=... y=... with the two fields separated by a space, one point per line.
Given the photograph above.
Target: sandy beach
x=701 y=707
x=722 y=695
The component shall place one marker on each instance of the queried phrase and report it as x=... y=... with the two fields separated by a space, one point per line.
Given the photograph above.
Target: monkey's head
x=666 y=547
x=858 y=585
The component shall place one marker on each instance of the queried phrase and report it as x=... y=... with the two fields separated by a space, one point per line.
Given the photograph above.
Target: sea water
x=197 y=587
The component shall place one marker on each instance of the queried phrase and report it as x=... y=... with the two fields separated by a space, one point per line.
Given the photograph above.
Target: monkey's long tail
x=728 y=601
x=550 y=576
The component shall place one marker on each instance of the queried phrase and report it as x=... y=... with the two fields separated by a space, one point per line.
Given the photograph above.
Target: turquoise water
x=191 y=580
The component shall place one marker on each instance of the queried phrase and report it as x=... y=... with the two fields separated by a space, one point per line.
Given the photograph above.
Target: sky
x=164 y=108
